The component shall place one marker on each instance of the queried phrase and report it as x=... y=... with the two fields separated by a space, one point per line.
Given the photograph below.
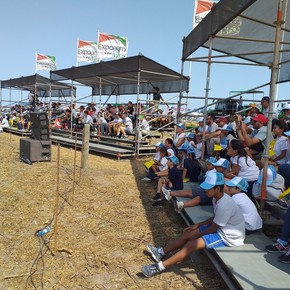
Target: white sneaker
x=179 y=205
x=146 y=179
x=166 y=193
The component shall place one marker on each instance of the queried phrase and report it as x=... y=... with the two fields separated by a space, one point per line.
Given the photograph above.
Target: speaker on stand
x=38 y=147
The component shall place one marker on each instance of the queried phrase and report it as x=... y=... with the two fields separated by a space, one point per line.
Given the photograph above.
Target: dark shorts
x=204 y=199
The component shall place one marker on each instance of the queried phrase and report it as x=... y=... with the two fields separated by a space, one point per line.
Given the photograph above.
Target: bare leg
x=179 y=242
x=190 y=247
x=195 y=201
x=184 y=173
x=183 y=193
x=161 y=182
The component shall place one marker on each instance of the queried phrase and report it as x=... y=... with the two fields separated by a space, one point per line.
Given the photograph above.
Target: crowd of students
x=230 y=179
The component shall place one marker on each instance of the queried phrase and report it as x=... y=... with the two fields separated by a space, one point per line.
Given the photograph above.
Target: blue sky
x=154 y=27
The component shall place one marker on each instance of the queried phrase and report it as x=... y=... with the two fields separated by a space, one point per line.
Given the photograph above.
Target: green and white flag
x=112 y=46
x=45 y=62
x=87 y=51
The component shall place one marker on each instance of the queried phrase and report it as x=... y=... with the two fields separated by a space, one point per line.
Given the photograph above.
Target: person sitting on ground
x=180 y=135
x=172 y=182
x=274 y=186
x=225 y=228
x=256 y=141
x=236 y=188
x=243 y=165
x=282 y=243
x=281 y=144
x=198 y=195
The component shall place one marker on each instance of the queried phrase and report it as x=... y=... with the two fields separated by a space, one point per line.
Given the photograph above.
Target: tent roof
x=44 y=87
x=120 y=77
x=245 y=29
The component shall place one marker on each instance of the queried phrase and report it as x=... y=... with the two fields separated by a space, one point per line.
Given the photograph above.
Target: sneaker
x=154 y=253
x=157 y=197
x=146 y=179
x=285 y=258
x=166 y=193
x=277 y=248
x=150 y=270
x=179 y=206
x=282 y=204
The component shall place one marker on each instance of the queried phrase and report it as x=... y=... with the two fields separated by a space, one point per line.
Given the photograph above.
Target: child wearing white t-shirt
x=280 y=146
x=236 y=188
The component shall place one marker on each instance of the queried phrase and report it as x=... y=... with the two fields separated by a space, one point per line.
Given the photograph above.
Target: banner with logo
x=112 y=46
x=87 y=51
x=202 y=8
x=45 y=62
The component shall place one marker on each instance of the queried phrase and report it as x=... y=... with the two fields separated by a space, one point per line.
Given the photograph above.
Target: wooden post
x=74 y=170
x=86 y=141
x=56 y=208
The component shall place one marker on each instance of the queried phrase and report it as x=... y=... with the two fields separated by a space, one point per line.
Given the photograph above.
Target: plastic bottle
x=42 y=232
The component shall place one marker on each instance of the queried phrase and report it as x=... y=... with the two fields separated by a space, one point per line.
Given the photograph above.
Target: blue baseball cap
x=223 y=163
x=173 y=159
x=180 y=125
x=271 y=175
x=212 y=179
x=238 y=182
x=227 y=128
x=211 y=160
x=183 y=147
x=190 y=135
x=159 y=144
x=190 y=150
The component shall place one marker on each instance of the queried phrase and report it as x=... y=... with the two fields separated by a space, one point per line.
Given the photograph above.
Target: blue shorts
x=213 y=240
x=204 y=199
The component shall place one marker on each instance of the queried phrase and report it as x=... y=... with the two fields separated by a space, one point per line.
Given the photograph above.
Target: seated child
x=236 y=188
x=222 y=166
x=159 y=168
x=191 y=168
x=173 y=181
x=198 y=195
x=225 y=229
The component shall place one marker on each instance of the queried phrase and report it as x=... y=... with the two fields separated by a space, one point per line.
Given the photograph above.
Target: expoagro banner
x=112 y=46
x=202 y=8
x=87 y=51
x=45 y=62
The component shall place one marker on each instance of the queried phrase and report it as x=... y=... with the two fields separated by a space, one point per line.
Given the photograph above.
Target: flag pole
x=77 y=63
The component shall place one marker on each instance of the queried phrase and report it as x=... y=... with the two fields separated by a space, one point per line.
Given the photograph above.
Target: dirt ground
x=99 y=232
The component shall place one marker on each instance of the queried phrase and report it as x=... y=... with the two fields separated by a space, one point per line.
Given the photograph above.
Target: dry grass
x=102 y=228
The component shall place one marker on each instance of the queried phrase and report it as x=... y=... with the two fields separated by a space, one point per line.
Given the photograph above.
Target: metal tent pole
x=273 y=86
x=206 y=95
x=137 y=144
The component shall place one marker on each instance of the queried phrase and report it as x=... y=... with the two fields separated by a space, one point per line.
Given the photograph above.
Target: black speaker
x=35 y=150
x=39 y=126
